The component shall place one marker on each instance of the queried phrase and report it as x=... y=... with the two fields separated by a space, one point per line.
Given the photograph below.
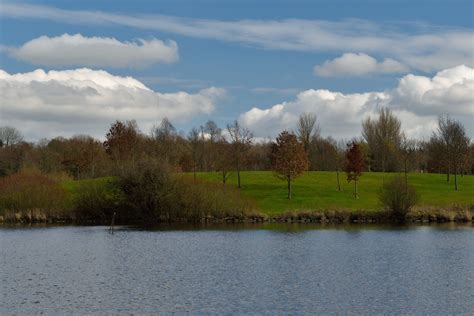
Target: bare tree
x=407 y=151
x=241 y=139
x=194 y=141
x=383 y=137
x=307 y=128
x=455 y=141
x=9 y=136
x=213 y=131
x=224 y=159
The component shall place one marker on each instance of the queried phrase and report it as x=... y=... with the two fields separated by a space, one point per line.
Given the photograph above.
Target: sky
x=74 y=67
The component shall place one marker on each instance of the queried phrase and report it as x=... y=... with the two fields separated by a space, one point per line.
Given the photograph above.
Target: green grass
x=73 y=186
x=318 y=190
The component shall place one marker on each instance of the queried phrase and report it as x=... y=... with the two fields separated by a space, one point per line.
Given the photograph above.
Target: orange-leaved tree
x=289 y=158
x=354 y=164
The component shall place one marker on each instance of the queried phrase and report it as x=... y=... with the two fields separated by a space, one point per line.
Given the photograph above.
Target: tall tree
x=165 y=137
x=307 y=129
x=407 y=152
x=224 y=159
x=122 y=141
x=289 y=159
x=354 y=164
x=455 y=142
x=211 y=136
x=241 y=140
x=9 y=136
x=194 y=141
x=383 y=137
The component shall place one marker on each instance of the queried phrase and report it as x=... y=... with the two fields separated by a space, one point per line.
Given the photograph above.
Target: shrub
x=97 y=200
x=154 y=194
x=147 y=190
x=27 y=191
x=398 y=197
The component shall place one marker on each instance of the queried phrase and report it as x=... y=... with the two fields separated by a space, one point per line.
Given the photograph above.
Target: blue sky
x=258 y=53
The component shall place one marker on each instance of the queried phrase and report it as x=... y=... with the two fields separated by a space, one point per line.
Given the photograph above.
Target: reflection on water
x=265 y=269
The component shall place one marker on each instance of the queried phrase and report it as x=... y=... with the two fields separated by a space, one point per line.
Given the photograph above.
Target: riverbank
x=417 y=215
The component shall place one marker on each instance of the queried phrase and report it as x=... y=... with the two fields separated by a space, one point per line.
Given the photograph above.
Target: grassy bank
x=318 y=191
x=315 y=199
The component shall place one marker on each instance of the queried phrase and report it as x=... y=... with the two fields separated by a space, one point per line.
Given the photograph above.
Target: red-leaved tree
x=354 y=164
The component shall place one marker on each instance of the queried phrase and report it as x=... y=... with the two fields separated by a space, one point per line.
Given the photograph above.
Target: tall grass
x=32 y=195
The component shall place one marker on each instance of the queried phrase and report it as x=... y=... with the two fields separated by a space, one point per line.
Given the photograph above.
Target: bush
x=97 y=200
x=398 y=197
x=154 y=194
x=28 y=191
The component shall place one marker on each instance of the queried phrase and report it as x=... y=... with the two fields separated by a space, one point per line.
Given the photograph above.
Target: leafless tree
x=9 y=136
x=383 y=137
x=307 y=129
x=407 y=152
x=455 y=142
x=194 y=141
x=241 y=139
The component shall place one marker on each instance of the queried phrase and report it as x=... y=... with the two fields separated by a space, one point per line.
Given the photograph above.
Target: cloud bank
x=417 y=101
x=85 y=101
x=73 y=50
x=350 y=64
x=420 y=47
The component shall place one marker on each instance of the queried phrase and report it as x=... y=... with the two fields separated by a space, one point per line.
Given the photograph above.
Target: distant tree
x=241 y=140
x=164 y=138
x=81 y=155
x=211 y=135
x=9 y=136
x=383 y=137
x=224 y=159
x=354 y=164
x=307 y=129
x=407 y=152
x=289 y=158
x=452 y=134
x=194 y=142
x=122 y=141
x=213 y=131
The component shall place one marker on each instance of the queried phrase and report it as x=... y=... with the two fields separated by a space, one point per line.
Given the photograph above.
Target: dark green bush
x=154 y=194
x=94 y=200
x=398 y=197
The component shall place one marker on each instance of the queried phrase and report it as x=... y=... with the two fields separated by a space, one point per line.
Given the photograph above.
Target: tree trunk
x=455 y=175
x=194 y=171
x=224 y=178
x=406 y=178
x=238 y=177
x=289 y=187
x=338 y=182
x=356 y=195
x=447 y=174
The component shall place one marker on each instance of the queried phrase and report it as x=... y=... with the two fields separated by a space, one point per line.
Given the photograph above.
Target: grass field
x=318 y=190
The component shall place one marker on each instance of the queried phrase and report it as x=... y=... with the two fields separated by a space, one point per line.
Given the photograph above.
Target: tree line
x=383 y=146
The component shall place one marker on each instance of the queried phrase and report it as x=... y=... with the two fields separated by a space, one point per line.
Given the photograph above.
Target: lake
x=227 y=269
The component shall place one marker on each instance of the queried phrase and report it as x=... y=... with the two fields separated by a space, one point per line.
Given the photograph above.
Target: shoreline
x=419 y=215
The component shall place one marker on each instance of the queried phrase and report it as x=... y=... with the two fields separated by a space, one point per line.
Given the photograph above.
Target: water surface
x=267 y=269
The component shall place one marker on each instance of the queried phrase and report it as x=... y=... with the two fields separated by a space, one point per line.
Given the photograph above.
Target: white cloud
x=417 y=101
x=350 y=64
x=73 y=50
x=420 y=47
x=85 y=101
